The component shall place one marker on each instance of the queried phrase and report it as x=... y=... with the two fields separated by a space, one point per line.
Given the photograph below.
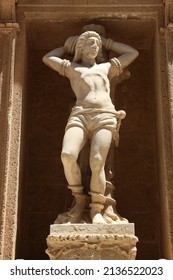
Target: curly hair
x=80 y=43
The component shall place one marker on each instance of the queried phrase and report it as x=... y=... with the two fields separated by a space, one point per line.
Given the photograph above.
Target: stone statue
x=93 y=118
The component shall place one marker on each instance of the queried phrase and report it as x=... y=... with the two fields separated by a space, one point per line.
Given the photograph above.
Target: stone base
x=92 y=242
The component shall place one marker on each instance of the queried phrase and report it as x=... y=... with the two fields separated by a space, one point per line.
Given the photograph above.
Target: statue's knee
x=67 y=158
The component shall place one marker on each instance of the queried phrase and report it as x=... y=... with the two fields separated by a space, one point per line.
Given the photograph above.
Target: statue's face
x=91 y=47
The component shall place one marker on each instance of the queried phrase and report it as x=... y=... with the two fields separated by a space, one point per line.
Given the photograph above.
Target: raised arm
x=53 y=59
x=127 y=53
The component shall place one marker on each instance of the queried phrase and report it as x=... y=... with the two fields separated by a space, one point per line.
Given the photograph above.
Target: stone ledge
x=57 y=229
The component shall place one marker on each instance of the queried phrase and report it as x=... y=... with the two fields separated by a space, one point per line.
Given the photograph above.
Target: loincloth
x=95 y=119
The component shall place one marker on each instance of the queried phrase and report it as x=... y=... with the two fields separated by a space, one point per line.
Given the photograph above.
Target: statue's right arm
x=53 y=58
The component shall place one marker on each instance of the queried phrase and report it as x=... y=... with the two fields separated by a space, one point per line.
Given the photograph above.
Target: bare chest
x=92 y=79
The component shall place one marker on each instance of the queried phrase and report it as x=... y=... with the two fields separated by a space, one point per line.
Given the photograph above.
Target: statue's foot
x=98 y=219
x=76 y=211
x=108 y=220
x=64 y=218
x=113 y=215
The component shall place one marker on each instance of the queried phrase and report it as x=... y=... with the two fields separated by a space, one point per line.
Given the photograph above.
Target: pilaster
x=169 y=53
x=9 y=152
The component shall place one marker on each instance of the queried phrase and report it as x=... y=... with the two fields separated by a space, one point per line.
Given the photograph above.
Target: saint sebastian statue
x=93 y=117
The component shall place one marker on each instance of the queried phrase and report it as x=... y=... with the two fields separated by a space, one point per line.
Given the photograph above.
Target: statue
x=93 y=118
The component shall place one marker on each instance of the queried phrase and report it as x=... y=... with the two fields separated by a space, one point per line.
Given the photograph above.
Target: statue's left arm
x=126 y=53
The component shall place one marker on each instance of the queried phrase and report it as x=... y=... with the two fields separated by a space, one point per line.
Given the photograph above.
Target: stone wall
x=35 y=110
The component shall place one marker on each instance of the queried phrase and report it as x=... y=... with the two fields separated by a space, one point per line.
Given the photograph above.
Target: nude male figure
x=93 y=117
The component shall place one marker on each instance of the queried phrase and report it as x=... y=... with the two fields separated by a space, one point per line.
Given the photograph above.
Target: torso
x=91 y=86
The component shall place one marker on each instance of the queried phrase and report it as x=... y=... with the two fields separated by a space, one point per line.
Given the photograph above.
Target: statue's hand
x=70 y=45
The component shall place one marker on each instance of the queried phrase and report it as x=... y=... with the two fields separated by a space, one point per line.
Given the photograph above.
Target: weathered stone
x=146 y=141
x=93 y=119
x=92 y=242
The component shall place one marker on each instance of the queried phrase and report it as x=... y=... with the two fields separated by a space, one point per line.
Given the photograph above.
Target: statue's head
x=81 y=43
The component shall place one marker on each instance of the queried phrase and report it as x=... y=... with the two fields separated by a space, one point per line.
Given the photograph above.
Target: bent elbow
x=45 y=59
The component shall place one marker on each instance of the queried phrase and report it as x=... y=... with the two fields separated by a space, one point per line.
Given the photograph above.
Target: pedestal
x=91 y=242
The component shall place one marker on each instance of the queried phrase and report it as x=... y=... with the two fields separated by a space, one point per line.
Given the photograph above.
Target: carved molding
x=9 y=141
x=8 y=26
x=92 y=242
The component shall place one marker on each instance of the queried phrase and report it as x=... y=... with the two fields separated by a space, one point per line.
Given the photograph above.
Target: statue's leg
x=100 y=145
x=74 y=140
